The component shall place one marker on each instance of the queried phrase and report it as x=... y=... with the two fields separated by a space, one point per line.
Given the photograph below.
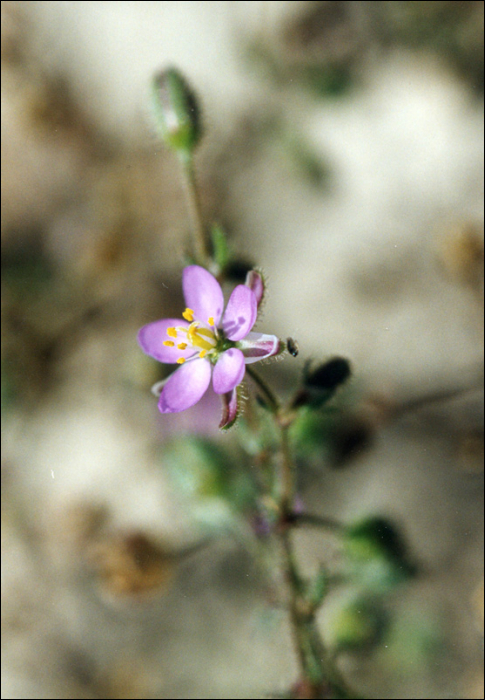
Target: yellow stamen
x=202 y=354
x=172 y=332
x=211 y=321
x=181 y=360
x=188 y=314
x=182 y=346
x=195 y=336
x=204 y=331
x=169 y=343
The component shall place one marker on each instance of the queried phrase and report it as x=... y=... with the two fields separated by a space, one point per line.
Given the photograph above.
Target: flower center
x=198 y=336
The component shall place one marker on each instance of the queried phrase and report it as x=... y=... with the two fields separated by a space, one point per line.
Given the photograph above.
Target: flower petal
x=229 y=371
x=185 y=386
x=203 y=294
x=258 y=346
x=240 y=314
x=152 y=336
x=255 y=282
x=230 y=409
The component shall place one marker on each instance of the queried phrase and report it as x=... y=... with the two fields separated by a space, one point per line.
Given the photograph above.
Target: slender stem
x=195 y=208
x=294 y=586
x=302 y=620
x=317 y=672
x=269 y=394
x=318 y=521
x=287 y=475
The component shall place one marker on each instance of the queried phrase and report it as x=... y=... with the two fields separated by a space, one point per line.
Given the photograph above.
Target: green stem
x=195 y=208
x=294 y=583
x=302 y=619
x=287 y=475
x=269 y=394
x=317 y=670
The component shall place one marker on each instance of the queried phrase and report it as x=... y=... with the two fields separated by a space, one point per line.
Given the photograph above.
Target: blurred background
x=343 y=153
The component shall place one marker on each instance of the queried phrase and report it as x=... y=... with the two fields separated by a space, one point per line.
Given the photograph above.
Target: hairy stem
x=268 y=393
x=193 y=199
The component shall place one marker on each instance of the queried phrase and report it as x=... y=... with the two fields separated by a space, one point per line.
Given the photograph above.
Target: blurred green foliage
x=202 y=470
x=377 y=555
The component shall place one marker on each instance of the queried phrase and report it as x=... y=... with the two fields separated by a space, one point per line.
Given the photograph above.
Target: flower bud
x=176 y=110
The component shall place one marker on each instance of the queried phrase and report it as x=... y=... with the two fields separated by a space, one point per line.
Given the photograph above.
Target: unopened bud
x=176 y=110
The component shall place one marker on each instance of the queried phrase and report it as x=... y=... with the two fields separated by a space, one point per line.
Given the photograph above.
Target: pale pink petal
x=254 y=280
x=240 y=314
x=229 y=371
x=258 y=346
x=230 y=409
x=152 y=336
x=185 y=386
x=203 y=294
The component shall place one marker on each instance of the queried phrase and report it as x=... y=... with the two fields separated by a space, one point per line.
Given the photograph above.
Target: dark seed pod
x=238 y=269
x=328 y=376
x=320 y=382
x=292 y=347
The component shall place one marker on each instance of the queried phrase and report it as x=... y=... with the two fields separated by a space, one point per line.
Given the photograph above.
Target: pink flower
x=205 y=349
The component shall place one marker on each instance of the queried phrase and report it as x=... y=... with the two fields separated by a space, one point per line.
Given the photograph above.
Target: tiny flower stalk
x=208 y=343
x=179 y=125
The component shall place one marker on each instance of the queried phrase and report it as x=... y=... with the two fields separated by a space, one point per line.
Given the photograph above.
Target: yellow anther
x=210 y=321
x=172 y=332
x=188 y=314
x=181 y=360
x=202 y=354
x=169 y=343
x=182 y=346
